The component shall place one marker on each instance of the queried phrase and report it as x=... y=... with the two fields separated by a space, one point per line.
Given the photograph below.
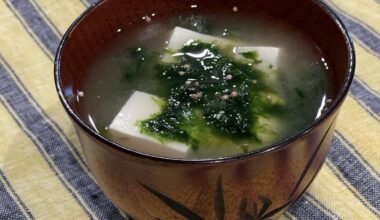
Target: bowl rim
x=276 y=146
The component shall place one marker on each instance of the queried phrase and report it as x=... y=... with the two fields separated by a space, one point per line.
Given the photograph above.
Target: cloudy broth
x=296 y=88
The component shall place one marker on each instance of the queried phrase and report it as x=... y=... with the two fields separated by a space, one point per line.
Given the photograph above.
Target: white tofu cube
x=181 y=36
x=141 y=106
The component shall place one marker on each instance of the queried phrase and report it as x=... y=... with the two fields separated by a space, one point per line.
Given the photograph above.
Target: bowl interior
x=99 y=25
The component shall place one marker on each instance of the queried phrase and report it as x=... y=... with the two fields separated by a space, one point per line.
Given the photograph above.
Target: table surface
x=42 y=171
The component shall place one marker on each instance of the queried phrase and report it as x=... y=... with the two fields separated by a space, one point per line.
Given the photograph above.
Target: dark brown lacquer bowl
x=256 y=185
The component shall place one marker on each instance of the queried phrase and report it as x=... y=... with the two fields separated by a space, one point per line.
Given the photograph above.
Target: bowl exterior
x=151 y=189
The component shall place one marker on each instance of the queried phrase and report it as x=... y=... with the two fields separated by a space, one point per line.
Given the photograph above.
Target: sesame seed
x=269 y=97
x=186 y=66
x=181 y=73
x=235 y=9
x=229 y=76
x=199 y=94
x=254 y=81
x=225 y=97
x=193 y=96
x=196 y=83
x=196 y=96
x=328 y=100
x=234 y=94
x=147 y=19
x=80 y=93
x=188 y=82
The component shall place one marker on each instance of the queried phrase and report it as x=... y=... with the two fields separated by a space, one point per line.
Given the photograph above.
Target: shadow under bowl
x=267 y=180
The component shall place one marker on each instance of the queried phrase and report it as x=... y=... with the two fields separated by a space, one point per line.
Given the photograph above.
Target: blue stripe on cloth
x=340 y=178
x=33 y=15
x=304 y=209
x=91 y=2
x=321 y=205
x=367 y=97
x=355 y=174
x=71 y=145
x=38 y=25
x=45 y=17
x=8 y=206
x=30 y=33
x=336 y=7
x=362 y=32
x=54 y=147
x=354 y=171
x=349 y=146
x=19 y=122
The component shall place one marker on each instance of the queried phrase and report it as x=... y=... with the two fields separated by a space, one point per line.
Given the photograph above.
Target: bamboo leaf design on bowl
x=219 y=200
x=260 y=207
x=176 y=206
x=258 y=212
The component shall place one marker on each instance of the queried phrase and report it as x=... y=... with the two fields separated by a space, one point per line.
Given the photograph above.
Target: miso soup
x=205 y=86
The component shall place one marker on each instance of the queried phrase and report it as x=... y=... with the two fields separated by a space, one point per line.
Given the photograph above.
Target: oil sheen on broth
x=217 y=97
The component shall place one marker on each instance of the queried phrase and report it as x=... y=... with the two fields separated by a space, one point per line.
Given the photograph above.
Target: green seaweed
x=252 y=55
x=140 y=55
x=215 y=94
x=300 y=93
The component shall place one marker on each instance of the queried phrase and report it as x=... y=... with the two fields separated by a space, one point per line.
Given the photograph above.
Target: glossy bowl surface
x=153 y=187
